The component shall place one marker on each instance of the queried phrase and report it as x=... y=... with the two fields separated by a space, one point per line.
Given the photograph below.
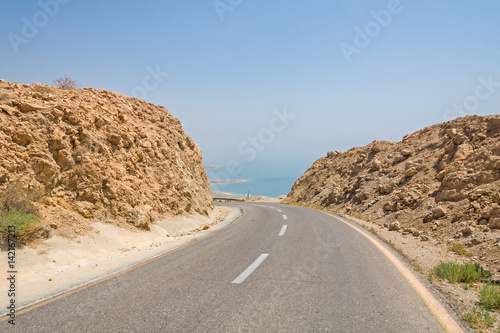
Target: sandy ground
x=59 y=264
x=277 y=199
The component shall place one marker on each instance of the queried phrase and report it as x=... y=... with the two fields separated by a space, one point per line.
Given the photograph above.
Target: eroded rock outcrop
x=98 y=154
x=443 y=180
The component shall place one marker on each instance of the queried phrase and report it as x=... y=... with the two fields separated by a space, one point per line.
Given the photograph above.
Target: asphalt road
x=314 y=275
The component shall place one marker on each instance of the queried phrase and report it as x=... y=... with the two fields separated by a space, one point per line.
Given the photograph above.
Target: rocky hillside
x=97 y=154
x=441 y=183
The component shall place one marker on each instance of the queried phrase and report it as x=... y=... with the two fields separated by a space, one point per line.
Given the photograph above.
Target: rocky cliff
x=440 y=183
x=97 y=154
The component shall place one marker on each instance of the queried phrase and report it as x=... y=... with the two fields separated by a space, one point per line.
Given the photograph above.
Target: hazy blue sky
x=349 y=71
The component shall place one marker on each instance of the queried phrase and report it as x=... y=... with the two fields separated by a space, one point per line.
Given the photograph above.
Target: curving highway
x=276 y=269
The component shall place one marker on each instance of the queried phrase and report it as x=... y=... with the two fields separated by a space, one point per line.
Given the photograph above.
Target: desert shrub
x=26 y=225
x=490 y=296
x=16 y=198
x=371 y=229
x=65 y=82
x=459 y=249
x=480 y=319
x=467 y=273
x=17 y=210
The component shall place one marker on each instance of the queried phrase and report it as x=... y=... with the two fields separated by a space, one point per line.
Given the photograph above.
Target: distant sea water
x=259 y=182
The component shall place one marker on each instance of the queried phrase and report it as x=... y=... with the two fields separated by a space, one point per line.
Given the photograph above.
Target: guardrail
x=228 y=199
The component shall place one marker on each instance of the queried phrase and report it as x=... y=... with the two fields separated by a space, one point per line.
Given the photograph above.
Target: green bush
x=17 y=210
x=26 y=225
x=467 y=273
x=480 y=319
x=490 y=296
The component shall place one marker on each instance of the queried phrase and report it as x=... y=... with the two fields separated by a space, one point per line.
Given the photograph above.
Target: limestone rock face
x=448 y=173
x=95 y=153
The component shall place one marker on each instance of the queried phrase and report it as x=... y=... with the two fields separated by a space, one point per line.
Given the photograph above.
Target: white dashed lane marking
x=283 y=229
x=246 y=273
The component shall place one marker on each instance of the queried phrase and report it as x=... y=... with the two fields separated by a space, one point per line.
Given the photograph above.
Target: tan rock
x=463 y=151
x=427 y=218
x=411 y=172
x=406 y=151
x=394 y=226
x=468 y=230
x=398 y=158
x=441 y=174
x=391 y=206
x=377 y=148
x=460 y=138
x=22 y=138
x=493 y=163
x=483 y=222
x=27 y=107
x=387 y=188
x=494 y=223
x=438 y=212
x=114 y=138
x=375 y=165
x=11 y=111
x=360 y=158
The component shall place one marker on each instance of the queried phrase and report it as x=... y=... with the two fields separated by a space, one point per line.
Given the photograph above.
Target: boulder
x=411 y=172
x=375 y=165
x=27 y=107
x=494 y=223
x=406 y=151
x=387 y=188
x=394 y=226
x=438 y=212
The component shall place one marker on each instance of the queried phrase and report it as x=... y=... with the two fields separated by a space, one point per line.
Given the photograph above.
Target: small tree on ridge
x=65 y=82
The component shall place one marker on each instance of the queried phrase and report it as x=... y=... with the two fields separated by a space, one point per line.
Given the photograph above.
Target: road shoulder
x=59 y=265
x=435 y=301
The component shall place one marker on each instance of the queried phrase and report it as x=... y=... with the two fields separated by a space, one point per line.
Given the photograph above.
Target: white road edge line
x=284 y=217
x=279 y=210
x=283 y=229
x=246 y=273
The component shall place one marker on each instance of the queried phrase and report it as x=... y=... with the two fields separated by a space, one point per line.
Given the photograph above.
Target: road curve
x=277 y=269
